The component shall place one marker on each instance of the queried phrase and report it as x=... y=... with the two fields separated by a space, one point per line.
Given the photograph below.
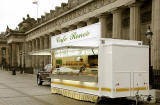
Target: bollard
x=21 y=71
x=14 y=72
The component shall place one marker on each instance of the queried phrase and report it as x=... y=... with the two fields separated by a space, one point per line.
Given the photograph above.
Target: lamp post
x=149 y=34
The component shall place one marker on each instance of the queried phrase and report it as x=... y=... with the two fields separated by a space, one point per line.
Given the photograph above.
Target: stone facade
x=120 y=19
x=4 y=51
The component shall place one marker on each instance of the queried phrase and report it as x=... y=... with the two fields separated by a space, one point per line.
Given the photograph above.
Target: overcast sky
x=12 y=11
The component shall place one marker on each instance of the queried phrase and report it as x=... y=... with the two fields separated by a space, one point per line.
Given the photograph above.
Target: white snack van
x=87 y=67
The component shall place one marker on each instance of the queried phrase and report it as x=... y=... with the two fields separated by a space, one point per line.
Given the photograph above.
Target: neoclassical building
x=4 y=50
x=120 y=19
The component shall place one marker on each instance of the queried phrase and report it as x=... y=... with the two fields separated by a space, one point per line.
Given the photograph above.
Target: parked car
x=44 y=74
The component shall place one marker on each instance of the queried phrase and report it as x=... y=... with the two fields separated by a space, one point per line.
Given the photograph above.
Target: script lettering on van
x=61 y=39
x=72 y=36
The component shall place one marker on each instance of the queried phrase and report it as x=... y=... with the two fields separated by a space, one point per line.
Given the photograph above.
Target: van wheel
x=39 y=81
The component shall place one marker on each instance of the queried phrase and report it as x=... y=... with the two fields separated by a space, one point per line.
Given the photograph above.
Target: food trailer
x=87 y=67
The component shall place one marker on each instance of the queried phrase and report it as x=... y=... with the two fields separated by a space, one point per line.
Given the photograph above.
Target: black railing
x=155 y=78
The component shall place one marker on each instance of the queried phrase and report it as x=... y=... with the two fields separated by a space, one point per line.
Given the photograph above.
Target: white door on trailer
x=122 y=84
x=140 y=83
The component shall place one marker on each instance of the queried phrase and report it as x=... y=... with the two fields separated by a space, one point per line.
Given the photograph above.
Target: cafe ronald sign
x=85 y=36
x=73 y=36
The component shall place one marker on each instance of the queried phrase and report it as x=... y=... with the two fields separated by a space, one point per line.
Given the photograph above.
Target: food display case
x=76 y=73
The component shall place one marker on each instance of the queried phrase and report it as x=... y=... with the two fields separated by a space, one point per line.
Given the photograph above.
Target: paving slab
x=21 y=89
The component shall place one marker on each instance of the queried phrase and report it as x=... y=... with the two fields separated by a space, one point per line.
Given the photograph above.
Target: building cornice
x=69 y=11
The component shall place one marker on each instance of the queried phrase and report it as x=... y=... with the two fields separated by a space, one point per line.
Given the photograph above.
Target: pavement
x=22 y=89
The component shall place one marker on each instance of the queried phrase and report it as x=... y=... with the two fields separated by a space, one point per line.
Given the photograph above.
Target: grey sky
x=12 y=11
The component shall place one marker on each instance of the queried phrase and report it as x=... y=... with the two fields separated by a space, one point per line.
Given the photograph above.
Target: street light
x=149 y=34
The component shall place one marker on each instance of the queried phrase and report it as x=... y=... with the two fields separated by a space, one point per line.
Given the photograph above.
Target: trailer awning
x=41 y=52
x=68 y=51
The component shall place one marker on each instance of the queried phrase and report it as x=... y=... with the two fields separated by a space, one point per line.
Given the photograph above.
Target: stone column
x=45 y=42
x=34 y=40
x=14 y=55
x=28 y=58
x=49 y=41
x=7 y=55
x=36 y=56
x=38 y=39
x=36 y=44
x=49 y=45
x=155 y=49
x=45 y=47
x=18 y=55
x=41 y=43
x=49 y=59
x=30 y=46
x=41 y=57
x=0 y=55
x=117 y=24
x=45 y=60
x=33 y=45
x=135 y=29
x=104 y=29
x=23 y=50
x=41 y=61
x=33 y=57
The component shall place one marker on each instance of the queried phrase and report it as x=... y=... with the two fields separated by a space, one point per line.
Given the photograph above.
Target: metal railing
x=155 y=79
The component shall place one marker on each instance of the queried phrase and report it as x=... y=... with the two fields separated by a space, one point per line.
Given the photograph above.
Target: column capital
x=37 y=38
x=46 y=36
x=33 y=40
x=91 y=20
x=57 y=32
x=72 y=27
x=41 y=37
x=63 y=30
x=51 y=34
x=81 y=24
x=116 y=10
x=102 y=15
x=137 y=4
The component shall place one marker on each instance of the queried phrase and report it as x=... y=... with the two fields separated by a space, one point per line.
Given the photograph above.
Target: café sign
x=73 y=36
x=77 y=37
